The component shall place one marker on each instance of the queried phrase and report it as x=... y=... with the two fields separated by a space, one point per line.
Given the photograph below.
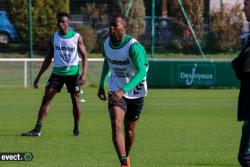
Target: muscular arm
x=45 y=65
x=83 y=53
x=105 y=71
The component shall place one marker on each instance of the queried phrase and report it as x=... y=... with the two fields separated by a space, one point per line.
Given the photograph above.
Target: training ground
x=177 y=128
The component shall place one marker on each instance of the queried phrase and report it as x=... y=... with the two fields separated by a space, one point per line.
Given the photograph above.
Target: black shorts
x=57 y=82
x=132 y=107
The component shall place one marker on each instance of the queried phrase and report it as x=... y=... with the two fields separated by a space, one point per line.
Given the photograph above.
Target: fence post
x=30 y=38
x=25 y=73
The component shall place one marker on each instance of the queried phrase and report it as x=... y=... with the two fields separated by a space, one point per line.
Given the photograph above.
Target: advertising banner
x=197 y=73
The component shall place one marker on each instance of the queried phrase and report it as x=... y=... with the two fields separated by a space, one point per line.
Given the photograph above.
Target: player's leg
x=129 y=131
x=43 y=112
x=53 y=86
x=44 y=108
x=244 y=151
x=72 y=83
x=117 y=117
x=75 y=98
x=117 y=112
x=134 y=107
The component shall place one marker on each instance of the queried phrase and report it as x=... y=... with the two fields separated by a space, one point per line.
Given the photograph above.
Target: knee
x=47 y=98
x=130 y=133
x=244 y=160
x=75 y=99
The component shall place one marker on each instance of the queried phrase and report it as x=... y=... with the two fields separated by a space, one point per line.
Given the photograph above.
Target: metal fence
x=163 y=28
x=20 y=72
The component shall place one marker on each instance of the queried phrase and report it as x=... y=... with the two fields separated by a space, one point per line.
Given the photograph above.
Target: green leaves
x=43 y=19
x=136 y=16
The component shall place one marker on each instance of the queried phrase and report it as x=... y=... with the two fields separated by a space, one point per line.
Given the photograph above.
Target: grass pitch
x=177 y=128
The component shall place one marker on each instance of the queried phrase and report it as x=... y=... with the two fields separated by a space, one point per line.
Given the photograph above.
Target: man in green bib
x=64 y=47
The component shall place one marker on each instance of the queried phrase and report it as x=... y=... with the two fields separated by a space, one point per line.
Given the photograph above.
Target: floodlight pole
x=30 y=38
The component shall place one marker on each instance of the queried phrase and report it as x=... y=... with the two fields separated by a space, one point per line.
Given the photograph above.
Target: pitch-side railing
x=25 y=65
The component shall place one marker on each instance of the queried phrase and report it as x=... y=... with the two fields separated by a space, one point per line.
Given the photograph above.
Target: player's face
x=63 y=24
x=246 y=9
x=116 y=30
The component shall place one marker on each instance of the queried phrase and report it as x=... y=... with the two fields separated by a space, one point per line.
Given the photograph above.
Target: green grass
x=178 y=128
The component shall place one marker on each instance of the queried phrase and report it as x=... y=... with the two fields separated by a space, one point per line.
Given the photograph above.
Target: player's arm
x=139 y=58
x=83 y=53
x=105 y=71
x=45 y=65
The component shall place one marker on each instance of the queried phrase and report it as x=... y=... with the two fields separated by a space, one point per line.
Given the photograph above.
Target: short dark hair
x=62 y=14
x=123 y=17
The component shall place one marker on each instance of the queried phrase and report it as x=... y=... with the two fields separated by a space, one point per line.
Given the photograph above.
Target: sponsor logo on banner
x=197 y=74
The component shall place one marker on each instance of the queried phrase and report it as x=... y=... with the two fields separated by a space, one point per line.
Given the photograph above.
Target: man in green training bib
x=125 y=61
x=65 y=47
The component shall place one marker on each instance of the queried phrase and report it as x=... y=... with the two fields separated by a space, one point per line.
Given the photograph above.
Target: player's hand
x=117 y=95
x=101 y=94
x=35 y=84
x=82 y=80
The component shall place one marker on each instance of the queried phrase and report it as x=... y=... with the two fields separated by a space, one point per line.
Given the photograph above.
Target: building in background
x=216 y=4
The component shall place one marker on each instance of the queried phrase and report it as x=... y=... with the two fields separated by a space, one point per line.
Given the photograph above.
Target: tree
x=43 y=19
x=90 y=40
x=18 y=14
x=181 y=31
x=98 y=16
x=96 y=11
x=102 y=12
x=225 y=29
x=136 y=15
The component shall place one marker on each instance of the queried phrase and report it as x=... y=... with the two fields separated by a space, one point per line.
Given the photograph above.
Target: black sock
x=38 y=127
x=76 y=126
x=123 y=160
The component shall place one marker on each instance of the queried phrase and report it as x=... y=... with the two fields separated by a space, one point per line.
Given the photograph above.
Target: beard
x=114 y=38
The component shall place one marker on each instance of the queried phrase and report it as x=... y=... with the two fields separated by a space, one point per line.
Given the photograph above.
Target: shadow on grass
x=9 y=135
